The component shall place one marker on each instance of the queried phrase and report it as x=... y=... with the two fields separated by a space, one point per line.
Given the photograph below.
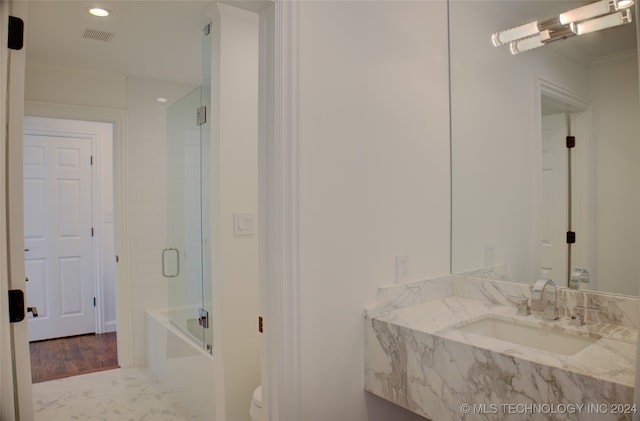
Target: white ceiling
x=153 y=39
x=160 y=39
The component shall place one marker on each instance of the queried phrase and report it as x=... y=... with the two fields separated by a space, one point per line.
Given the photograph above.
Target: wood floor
x=66 y=357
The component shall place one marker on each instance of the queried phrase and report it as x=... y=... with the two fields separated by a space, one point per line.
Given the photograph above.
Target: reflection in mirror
x=517 y=190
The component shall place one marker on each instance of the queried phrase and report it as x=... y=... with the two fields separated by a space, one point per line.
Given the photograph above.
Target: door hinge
x=94 y=301
x=15 y=33
x=260 y=324
x=203 y=319
x=16 y=305
x=201 y=115
x=92 y=231
x=91 y=159
x=117 y=259
x=571 y=237
x=571 y=142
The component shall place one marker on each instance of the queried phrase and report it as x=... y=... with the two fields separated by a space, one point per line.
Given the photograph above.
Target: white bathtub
x=180 y=365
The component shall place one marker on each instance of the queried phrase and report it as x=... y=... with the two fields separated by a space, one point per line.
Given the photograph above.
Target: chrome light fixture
x=582 y=20
x=603 y=22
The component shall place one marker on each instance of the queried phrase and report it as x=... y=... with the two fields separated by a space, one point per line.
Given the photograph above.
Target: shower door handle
x=164 y=265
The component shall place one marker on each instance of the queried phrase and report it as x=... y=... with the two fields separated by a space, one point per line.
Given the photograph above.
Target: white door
x=554 y=203
x=58 y=235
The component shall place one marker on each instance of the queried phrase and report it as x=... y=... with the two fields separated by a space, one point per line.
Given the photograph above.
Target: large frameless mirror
x=545 y=143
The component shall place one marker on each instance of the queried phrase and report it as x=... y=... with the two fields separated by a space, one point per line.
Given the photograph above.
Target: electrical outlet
x=402 y=269
x=488 y=255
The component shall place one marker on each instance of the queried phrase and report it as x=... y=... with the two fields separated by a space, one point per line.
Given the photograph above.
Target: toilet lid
x=257 y=396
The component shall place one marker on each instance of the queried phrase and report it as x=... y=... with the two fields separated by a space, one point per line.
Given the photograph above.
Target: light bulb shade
x=589 y=11
x=609 y=21
x=526 y=44
x=624 y=4
x=513 y=34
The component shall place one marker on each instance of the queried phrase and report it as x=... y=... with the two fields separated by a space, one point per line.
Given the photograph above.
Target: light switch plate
x=243 y=223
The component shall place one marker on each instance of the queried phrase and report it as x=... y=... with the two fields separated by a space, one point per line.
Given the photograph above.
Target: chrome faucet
x=578 y=317
x=522 y=304
x=578 y=277
x=539 y=301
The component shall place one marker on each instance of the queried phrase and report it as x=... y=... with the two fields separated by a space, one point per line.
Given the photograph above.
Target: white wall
x=617 y=202
x=235 y=190
x=374 y=165
x=66 y=85
x=147 y=198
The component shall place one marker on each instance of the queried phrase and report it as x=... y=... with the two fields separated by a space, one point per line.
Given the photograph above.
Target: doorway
x=69 y=245
x=565 y=186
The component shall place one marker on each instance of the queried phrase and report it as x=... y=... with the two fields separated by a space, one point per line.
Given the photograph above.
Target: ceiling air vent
x=98 y=35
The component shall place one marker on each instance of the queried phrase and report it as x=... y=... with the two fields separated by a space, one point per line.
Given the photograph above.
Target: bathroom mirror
x=516 y=192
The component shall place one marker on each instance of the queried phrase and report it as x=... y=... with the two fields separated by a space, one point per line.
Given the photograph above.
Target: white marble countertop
x=611 y=358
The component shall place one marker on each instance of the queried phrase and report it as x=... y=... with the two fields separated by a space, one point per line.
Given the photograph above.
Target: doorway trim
x=578 y=108
x=100 y=135
x=123 y=283
x=279 y=210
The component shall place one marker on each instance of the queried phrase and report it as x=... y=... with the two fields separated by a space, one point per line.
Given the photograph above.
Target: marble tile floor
x=113 y=395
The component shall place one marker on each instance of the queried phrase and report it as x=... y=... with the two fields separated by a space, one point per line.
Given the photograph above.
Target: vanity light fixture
x=604 y=22
x=544 y=37
x=589 y=11
x=582 y=20
x=526 y=44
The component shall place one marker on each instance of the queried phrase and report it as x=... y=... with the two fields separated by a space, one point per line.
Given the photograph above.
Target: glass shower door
x=183 y=259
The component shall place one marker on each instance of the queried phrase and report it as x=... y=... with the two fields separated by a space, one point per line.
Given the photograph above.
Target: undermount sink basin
x=529 y=336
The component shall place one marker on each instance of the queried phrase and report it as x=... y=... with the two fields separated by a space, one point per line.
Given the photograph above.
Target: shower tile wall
x=146 y=194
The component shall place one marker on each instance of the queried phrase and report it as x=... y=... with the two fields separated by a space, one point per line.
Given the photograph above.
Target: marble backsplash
x=614 y=309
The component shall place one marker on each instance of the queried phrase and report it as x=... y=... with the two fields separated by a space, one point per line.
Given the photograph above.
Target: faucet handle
x=577 y=318
x=522 y=304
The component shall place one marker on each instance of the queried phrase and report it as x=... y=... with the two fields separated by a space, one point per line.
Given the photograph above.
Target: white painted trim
x=15 y=201
x=280 y=212
x=111 y=326
x=7 y=403
x=265 y=139
x=214 y=227
x=583 y=195
x=636 y=400
x=562 y=94
x=577 y=103
x=123 y=287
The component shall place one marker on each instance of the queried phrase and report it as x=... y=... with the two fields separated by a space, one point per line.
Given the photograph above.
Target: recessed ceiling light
x=99 y=12
x=161 y=100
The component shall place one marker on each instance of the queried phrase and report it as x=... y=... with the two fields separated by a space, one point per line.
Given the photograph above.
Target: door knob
x=33 y=310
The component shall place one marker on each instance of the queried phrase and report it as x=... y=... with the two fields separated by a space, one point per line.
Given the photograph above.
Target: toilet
x=255 y=410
